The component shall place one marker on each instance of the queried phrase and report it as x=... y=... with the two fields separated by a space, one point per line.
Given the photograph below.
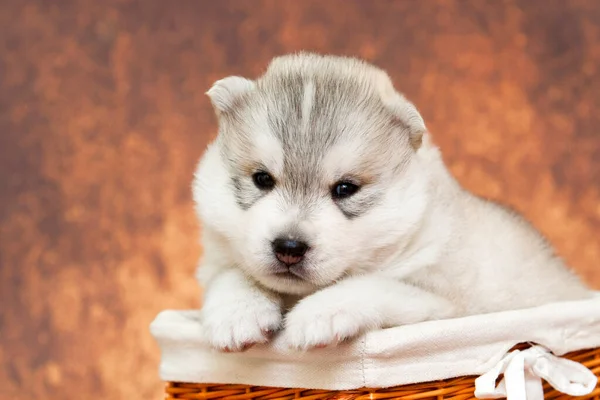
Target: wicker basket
x=456 y=389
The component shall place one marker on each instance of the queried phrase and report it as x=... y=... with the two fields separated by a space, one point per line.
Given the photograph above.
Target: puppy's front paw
x=233 y=326
x=314 y=324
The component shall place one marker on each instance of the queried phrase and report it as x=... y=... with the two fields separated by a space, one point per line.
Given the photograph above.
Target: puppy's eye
x=263 y=180
x=343 y=189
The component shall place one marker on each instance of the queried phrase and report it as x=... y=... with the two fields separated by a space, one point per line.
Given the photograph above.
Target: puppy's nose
x=288 y=251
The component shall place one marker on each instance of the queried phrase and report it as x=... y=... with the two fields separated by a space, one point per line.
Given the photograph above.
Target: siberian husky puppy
x=327 y=211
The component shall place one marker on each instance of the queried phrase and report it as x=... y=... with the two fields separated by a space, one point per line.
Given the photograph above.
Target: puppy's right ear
x=224 y=93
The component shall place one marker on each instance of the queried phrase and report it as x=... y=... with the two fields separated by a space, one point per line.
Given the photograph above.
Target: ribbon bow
x=523 y=372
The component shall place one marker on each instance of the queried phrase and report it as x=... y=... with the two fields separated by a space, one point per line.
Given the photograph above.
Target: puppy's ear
x=409 y=117
x=403 y=111
x=225 y=92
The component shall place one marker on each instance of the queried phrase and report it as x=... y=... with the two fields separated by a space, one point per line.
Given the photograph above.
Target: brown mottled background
x=103 y=116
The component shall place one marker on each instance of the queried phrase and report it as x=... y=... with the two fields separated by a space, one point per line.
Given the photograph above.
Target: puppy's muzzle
x=288 y=251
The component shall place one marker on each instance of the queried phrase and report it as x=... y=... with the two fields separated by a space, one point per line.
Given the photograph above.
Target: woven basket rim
x=454 y=388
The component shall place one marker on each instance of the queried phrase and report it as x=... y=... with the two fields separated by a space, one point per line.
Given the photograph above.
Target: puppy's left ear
x=404 y=111
x=225 y=92
x=409 y=117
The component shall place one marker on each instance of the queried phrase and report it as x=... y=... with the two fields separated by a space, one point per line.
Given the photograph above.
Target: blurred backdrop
x=103 y=117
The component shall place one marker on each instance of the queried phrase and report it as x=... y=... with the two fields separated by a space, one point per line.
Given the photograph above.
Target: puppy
x=327 y=211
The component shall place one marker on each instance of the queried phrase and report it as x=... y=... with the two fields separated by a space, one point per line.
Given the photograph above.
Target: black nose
x=288 y=251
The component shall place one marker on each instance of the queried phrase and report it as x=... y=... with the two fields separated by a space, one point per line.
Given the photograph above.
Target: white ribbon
x=523 y=372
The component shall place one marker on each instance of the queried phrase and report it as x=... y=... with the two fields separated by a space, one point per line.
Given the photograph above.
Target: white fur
x=356 y=304
x=252 y=315
x=307 y=103
x=427 y=250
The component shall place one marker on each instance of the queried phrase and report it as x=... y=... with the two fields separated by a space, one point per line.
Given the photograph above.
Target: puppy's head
x=315 y=172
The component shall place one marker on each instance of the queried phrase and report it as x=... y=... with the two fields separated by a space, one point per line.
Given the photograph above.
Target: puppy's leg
x=238 y=314
x=356 y=305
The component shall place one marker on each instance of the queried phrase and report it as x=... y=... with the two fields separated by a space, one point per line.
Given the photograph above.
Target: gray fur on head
x=350 y=81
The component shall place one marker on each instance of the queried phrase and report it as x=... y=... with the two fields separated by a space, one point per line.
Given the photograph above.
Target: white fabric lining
x=403 y=355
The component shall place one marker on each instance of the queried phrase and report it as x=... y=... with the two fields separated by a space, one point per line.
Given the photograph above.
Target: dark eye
x=343 y=189
x=263 y=180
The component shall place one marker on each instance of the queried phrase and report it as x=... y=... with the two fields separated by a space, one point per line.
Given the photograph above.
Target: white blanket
x=416 y=353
